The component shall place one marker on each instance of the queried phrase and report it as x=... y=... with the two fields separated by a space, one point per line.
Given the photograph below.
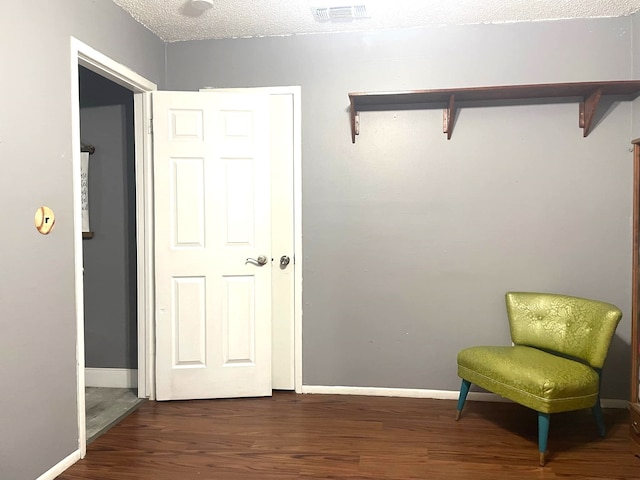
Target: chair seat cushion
x=536 y=379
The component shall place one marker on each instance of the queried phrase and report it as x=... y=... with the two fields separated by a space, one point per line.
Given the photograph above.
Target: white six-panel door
x=212 y=216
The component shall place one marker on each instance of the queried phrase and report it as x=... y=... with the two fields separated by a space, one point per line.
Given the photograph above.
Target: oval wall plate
x=44 y=220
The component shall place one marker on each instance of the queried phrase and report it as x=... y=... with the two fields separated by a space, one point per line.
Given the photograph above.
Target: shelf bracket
x=355 y=121
x=588 y=107
x=448 y=116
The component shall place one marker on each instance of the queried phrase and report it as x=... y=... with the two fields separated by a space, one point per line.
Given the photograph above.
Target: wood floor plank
x=292 y=436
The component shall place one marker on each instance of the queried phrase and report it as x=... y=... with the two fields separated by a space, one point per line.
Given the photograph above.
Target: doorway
x=224 y=243
x=83 y=55
x=109 y=251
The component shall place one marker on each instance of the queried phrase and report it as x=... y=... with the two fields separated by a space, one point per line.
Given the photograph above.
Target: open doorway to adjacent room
x=109 y=251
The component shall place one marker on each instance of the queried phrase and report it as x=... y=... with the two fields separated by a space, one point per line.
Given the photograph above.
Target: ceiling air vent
x=346 y=13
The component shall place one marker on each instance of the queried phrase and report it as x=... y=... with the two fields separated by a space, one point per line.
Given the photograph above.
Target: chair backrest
x=572 y=326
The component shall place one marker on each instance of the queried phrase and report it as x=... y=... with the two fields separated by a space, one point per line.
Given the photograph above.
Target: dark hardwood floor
x=347 y=437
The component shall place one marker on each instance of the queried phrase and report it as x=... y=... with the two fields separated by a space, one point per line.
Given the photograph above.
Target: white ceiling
x=177 y=20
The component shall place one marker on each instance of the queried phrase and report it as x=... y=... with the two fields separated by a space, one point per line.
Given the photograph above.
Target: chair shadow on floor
x=570 y=431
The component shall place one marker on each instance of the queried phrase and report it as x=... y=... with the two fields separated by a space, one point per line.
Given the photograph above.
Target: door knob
x=284 y=261
x=261 y=260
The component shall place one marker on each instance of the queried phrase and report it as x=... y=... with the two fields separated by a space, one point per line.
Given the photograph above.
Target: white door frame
x=296 y=93
x=82 y=54
x=297 y=226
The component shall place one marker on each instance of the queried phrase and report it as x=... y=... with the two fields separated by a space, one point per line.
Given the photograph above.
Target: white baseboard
x=60 y=467
x=401 y=392
x=111 y=377
x=614 y=403
x=424 y=393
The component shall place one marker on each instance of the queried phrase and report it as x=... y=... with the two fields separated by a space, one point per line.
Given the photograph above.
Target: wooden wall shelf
x=588 y=93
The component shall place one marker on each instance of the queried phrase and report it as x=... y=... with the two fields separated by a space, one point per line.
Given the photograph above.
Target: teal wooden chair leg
x=543 y=435
x=464 y=389
x=597 y=413
x=597 y=410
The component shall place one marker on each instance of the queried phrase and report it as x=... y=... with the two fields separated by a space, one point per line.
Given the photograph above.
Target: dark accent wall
x=410 y=241
x=110 y=319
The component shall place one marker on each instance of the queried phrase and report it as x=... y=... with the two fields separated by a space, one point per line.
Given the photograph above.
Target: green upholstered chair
x=560 y=345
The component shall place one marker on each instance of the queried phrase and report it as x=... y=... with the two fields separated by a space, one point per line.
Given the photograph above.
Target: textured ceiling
x=177 y=20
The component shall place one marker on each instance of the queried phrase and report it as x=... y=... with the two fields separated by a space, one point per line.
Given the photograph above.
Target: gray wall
x=110 y=322
x=37 y=291
x=410 y=240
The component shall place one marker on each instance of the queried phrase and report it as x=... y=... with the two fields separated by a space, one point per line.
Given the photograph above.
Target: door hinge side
x=150 y=129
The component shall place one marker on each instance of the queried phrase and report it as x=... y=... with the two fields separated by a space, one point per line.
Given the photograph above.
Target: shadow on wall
x=618 y=360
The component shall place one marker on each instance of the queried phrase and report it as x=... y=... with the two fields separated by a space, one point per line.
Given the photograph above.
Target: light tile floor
x=107 y=406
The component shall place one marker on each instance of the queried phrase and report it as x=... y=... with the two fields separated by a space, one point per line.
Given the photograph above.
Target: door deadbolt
x=284 y=261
